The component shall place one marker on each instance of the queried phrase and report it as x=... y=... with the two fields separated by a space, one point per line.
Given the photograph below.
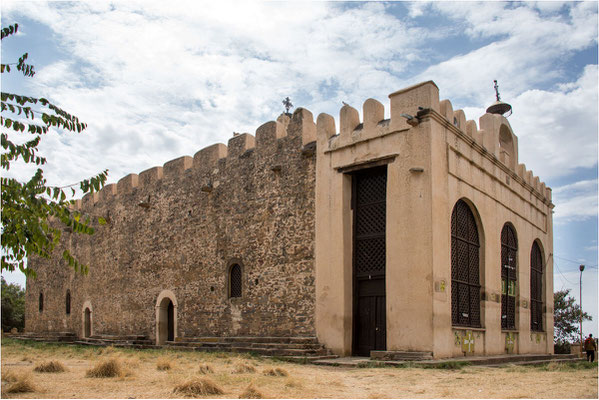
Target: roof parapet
x=127 y=184
x=177 y=166
x=150 y=175
x=239 y=144
x=207 y=158
x=107 y=192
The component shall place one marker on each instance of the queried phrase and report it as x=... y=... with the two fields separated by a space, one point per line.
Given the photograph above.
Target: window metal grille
x=370 y=222
x=465 y=265
x=536 y=288
x=68 y=302
x=509 y=256
x=235 y=281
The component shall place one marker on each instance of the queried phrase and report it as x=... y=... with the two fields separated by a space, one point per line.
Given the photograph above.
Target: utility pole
x=581 y=269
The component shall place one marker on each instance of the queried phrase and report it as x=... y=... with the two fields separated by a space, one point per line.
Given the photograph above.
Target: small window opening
x=41 y=302
x=68 y=302
x=212 y=288
x=235 y=281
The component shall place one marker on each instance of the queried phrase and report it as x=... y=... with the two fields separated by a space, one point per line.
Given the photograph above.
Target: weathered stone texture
x=179 y=228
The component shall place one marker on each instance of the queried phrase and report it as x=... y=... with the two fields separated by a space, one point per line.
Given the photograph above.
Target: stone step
x=89 y=343
x=282 y=346
x=295 y=347
x=279 y=352
x=380 y=355
x=198 y=344
x=119 y=337
x=253 y=339
x=273 y=352
x=305 y=359
x=537 y=362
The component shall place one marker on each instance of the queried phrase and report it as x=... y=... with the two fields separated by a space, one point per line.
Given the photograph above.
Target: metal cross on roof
x=496 y=86
x=287 y=104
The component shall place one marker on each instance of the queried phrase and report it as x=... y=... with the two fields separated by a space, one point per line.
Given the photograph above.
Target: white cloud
x=524 y=53
x=194 y=74
x=576 y=201
x=557 y=130
x=168 y=79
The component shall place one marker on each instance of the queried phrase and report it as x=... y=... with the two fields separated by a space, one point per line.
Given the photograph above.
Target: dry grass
x=21 y=384
x=303 y=381
x=275 y=372
x=198 y=387
x=8 y=375
x=50 y=366
x=205 y=369
x=106 y=369
x=163 y=364
x=251 y=393
x=243 y=368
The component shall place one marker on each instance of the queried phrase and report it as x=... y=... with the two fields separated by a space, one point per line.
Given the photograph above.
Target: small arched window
x=509 y=256
x=536 y=288
x=68 y=302
x=235 y=281
x=41 y=302
x=465 y=262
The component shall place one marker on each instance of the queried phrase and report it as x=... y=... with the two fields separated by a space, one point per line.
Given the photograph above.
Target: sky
x=156 y=80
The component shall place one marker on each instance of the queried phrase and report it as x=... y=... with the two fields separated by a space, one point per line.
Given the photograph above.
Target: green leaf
x=101 y=221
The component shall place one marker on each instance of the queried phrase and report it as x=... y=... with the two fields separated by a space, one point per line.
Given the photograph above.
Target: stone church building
x=420 y=232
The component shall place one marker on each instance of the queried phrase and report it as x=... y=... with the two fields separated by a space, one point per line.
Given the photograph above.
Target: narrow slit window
x=536 y=288
x=41 y=302
x=235 y=281
x=68 y=302
x=509 y=253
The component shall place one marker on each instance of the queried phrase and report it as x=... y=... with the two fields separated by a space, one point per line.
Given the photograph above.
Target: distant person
x=590 y=347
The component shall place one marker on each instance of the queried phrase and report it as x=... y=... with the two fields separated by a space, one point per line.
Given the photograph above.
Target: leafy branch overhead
x=34 y=214
x=26 y=69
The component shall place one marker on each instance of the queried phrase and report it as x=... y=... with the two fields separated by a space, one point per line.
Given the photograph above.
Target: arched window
x=68 y=302
x=235 y=281
x=41 y=302
x=536 y=288
x=509 y=256
x=465 y=280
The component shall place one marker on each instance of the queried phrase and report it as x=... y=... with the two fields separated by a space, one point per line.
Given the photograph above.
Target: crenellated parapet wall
x=495 y=138
x=264 y=142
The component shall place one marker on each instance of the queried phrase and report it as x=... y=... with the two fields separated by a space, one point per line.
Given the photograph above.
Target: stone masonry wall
x=179 y=227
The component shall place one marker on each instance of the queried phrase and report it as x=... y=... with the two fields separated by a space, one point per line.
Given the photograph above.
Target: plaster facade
x=280 y=205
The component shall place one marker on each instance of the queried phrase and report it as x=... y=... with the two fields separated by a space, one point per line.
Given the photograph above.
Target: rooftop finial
x=496 y=86
x=499 y=107
x=287 y=104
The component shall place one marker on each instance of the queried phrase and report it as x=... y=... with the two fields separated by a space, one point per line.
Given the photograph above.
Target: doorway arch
x=166 y=317
x=87 y=318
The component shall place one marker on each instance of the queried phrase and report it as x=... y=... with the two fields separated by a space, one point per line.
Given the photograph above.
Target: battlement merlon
x=495 y=136
x=300 y=123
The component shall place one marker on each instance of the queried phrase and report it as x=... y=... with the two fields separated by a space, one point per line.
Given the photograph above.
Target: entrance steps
x=482 y=361
x=49 y=337
x=401 y=355
x=137 y=341
x=293 y=348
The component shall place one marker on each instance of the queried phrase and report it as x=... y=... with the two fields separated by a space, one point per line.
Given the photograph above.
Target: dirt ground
x=141 y=377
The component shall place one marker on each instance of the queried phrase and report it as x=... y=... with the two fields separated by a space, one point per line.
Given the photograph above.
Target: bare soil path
x=156 y=374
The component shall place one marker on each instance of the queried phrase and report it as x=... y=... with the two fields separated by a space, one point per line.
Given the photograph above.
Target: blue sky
x=157 y=80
